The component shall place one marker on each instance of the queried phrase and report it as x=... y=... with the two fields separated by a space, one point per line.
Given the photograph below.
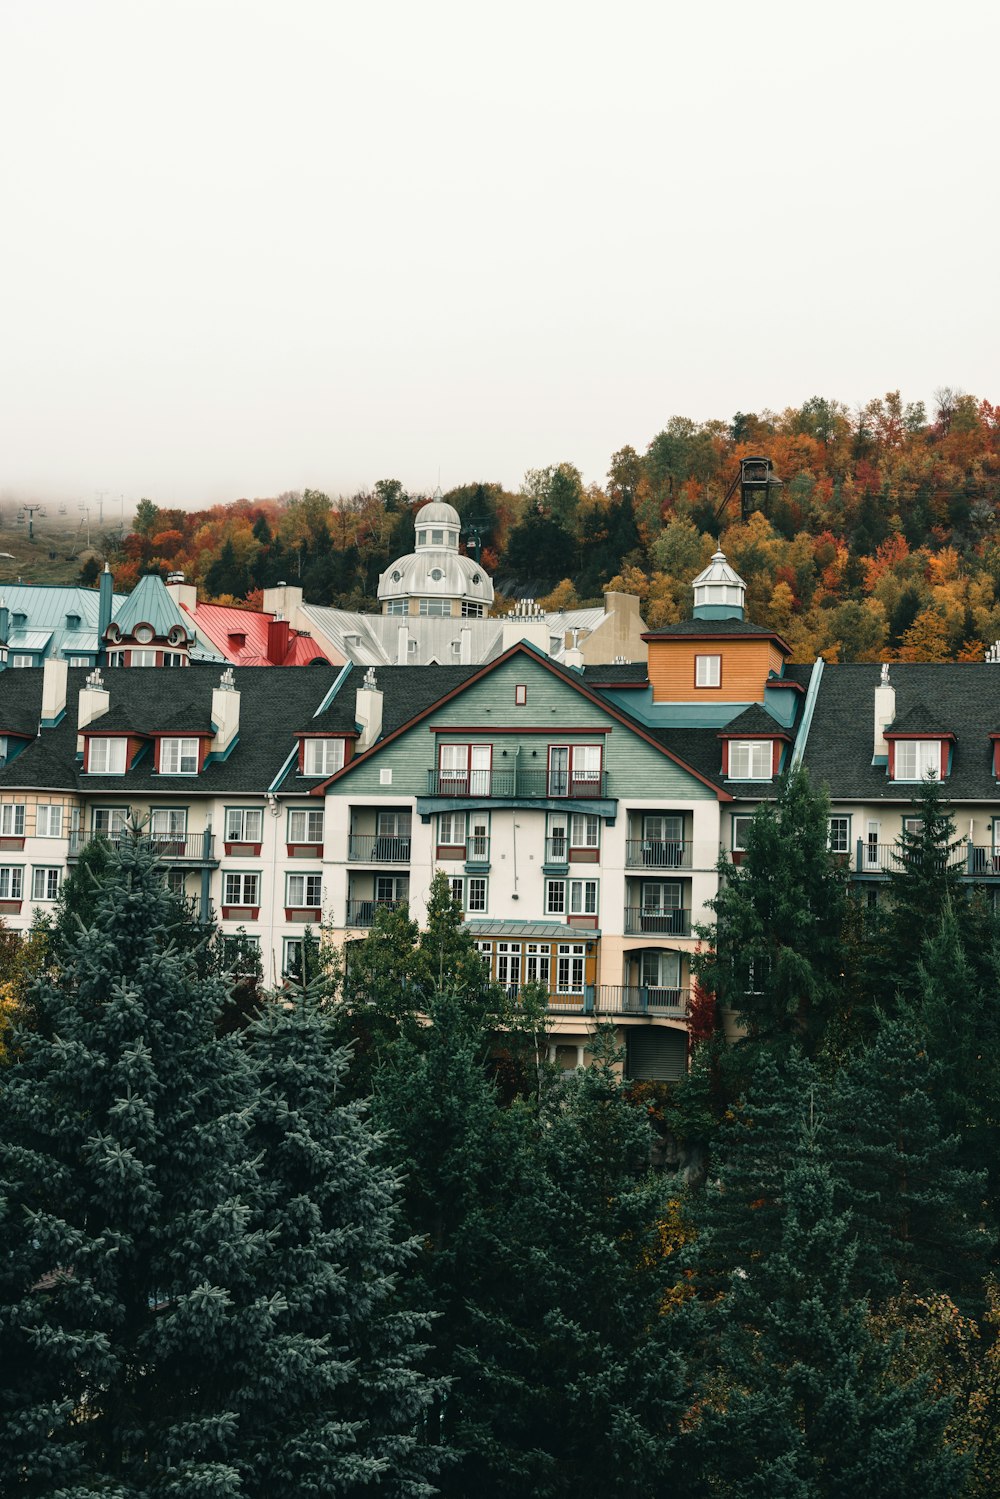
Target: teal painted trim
x=718 y=611
x=292 y=759
x=427 y=805
x=341 y=678
x=219 y=757
x=674 y=715
x=52 y=723
x=809 y=708
x=556 y=871
x=781 y=703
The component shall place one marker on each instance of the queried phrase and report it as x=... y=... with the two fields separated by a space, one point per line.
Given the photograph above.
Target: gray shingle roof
x=709 y=627
x=754 y=720
x=918 y=720
x=966 y=698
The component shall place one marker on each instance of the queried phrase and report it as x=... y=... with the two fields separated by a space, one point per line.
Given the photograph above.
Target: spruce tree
x=777 y=959
x=800 y=1402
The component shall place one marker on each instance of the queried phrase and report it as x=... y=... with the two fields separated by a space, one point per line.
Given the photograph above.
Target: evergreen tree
x=801 y=1405
x=779 y=916
x=331 y=1214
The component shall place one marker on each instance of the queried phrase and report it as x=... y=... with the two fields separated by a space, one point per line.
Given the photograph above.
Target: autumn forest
x=881 y=543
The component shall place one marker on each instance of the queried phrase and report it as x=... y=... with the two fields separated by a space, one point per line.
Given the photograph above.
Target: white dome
x=435 y=573
x=438 y=513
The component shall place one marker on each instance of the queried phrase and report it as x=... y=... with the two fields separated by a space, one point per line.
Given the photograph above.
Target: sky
x=253 y=246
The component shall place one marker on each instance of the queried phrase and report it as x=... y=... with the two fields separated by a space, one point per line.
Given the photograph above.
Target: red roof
x=249 y=637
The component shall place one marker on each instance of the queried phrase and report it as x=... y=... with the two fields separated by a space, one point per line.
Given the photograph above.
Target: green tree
x=801 y=1405
x=779 y=916
x=147 y=519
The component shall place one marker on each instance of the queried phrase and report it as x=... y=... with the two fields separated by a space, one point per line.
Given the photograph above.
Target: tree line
x=362 y=1236
x=881 y=543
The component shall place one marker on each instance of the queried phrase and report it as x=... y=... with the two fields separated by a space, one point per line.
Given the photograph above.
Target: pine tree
x=140 y=1318
x=779 y=914
x=331 y=1213
x=800 y=1403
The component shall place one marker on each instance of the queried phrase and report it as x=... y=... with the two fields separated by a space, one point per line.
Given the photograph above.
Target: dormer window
x=750 y=759
x=708 y=671
x=916 y=759
x=72 y=621
x=322 y=757
x=179 y=757
x=107 y=757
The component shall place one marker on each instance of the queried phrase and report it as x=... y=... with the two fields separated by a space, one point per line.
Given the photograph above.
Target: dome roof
x=436 y=572
x=437 y=513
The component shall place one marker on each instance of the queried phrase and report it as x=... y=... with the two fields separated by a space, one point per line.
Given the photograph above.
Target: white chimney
x=368 y=711
x=573 y=656
x=95 y=699
x=184 y=595
x=285 y=600
x=225 y=712
x=465 y=646
x=885 y=712
x=54 y=673
x=402 y=645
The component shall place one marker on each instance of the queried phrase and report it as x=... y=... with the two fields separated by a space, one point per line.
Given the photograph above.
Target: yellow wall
x=745 y=665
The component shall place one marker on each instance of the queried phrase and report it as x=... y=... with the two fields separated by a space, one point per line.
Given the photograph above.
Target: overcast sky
x=258 y=245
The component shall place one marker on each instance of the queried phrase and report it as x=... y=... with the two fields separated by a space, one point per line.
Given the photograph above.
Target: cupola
x=719 y=591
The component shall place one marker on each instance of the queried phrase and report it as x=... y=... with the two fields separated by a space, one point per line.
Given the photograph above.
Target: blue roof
x=65 y=615
x=149 y=603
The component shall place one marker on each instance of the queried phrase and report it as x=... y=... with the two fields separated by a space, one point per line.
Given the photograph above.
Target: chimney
x=368 y=711
x=54 y=674
x=278 y=635
x=105 y=608
x=184 y=595
x=573 y=656
x=225 y=713
x=4 y=625
x=284 y=600
x=465 y=646
x=95 y=699
x=402 y=645
x=885 y=712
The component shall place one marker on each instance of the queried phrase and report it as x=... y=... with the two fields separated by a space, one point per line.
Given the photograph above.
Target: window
x=569 y=968
x=555 y=897
x=304 y=891
x=3 y=749
x=437 y=538
x=322 y=757
x=22 y=660
x=471 y=611
x=12 y=820
x=168 y=825
x=435 y=606
x=708 y=671
x=478 y=849
x=536 y=964
x=583 y=897
x=49 y=822
x=390 y=889
x=179 y=757
x=839 y=835
x=242 y=890
x=574 y=769
x=292 y=964
x=660 y=971
x=107 y=757
x=45 y=884
x=750 y=760
x=915 y=759
x=520 y=694
x=79 y=661
x=240 y=953
x=305 y=827
x=108 y=821
x=584 y=831
x=176 y=881
x=398 y=606
x=470 y=893
x=244 y=825
x=11 y=881
x=464 y=769
x=741 y=827
x=174 y=658
x=451 y=830
x=142 y=658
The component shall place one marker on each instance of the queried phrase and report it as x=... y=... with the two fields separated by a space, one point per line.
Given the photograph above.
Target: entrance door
x=559 y=771
x=509 y=967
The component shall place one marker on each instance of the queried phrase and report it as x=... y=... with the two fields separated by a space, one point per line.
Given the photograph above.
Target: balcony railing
x=362 y=912
x=198 y=848
x=888 y=858
x=477 y=850
x=619 y=999
x=640 y=920
x=378 y=848
x=657 y=853
x=516 y=784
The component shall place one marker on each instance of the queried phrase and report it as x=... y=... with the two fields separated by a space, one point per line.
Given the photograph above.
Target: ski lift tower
x=31 y=511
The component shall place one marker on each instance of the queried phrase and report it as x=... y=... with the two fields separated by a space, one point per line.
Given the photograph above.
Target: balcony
x=642 y=922
x=196 y=850
x=517 y=784
x=657 y=853
x=620 y=999
x=377 y=848
x=361 y=913
x=890 y=858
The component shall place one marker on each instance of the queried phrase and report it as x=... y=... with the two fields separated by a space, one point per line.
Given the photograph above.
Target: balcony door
x=509 y=967
x=660 y=973
x=464 y=769
x=661 y=906
x=663 y=840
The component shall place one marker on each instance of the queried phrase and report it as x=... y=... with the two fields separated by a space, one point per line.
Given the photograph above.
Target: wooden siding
x=745 y=665
x=634 y=768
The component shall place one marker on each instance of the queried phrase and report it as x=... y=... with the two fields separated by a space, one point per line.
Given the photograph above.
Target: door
x=661 y=906
x=660 y=977
x=536 y=965
x=509 y=967
x=109 y=822
x=872 y=860
x=168 y=829
x=663 y=840
x=478 y=847
x=559 y=770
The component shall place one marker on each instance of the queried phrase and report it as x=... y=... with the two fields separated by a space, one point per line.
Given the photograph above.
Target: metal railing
x=639 y=999
x=362 y=912
x=657 y=853
x=639 y=920
x=477 y=850
x=516 y=783
x=379 y=848
x=198 y=848
x=888 y=858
